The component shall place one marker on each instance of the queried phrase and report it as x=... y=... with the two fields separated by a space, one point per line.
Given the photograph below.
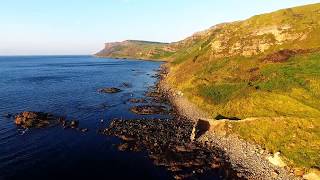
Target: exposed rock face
x=285 y=55
x=34 y=119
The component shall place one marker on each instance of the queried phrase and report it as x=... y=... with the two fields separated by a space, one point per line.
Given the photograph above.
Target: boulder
x=74 y=124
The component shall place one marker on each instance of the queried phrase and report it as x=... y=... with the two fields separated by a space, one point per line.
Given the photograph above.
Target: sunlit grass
x=298 y=139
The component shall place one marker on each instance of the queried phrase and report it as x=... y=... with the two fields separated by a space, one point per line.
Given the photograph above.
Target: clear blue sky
x=83 y=26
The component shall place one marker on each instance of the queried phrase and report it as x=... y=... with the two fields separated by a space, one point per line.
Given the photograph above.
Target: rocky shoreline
x=169 y=142
x=250 y=161
x=184 y=143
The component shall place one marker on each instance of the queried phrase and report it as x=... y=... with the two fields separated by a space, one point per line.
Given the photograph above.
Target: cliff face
x=293 y=28
x=137 y=50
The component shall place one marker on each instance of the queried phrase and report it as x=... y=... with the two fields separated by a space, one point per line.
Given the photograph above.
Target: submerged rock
x=35 y=119
x=84 y=130
x=126 y=85
x=109 y=90
x=137 y=100
x=148 y=109
x=7 y=115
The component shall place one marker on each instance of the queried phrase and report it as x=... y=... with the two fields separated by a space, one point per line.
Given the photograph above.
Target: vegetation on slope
x=137 y=50
x=296 y=138
x=267 y=66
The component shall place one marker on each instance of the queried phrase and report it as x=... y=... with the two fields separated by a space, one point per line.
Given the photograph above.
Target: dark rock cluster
x=148 y=109
x=137 y=100
x=35 y=119
x=168 y=144
x=31 y=119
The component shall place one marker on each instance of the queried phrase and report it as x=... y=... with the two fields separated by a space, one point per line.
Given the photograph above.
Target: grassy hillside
x=296 y=138
x=137 y=50
x=267 y=65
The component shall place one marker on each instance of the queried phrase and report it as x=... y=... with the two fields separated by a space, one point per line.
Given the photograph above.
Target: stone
x=276 y=160
x=110 y=90
x=299 y=172
x=148 y=109
x=30 y=119
x=74 y=124
x=136 y=100
x=84 y=130
x=313 y=174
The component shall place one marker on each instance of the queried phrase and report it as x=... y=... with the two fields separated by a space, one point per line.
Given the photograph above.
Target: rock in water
x=7 y=115
x=74 y=124
x=126 y=85
x=84 y=130
x=136 y=100
x=34 y=119
x=109 y=90
x=148 y=110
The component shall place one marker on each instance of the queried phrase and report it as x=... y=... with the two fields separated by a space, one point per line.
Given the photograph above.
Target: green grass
x=291 y=74
x=297 y=139
x=220 y=93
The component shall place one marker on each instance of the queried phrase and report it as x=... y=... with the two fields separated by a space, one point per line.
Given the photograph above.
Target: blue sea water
x=67 y=86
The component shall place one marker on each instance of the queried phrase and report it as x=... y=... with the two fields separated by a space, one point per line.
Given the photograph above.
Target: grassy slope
x=137 y=50
x=296 y=138
x=227 y=82
x=222 y=79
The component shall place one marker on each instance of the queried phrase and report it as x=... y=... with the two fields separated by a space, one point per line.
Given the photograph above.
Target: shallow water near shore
x=67 y=86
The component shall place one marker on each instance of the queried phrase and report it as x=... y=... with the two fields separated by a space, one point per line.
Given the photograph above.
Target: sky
x=72 y=27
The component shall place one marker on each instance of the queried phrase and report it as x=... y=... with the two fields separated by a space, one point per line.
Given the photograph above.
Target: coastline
x=130 y=58
x=250 y=161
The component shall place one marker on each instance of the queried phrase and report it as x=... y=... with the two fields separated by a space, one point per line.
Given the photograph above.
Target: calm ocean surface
x=67 y=86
